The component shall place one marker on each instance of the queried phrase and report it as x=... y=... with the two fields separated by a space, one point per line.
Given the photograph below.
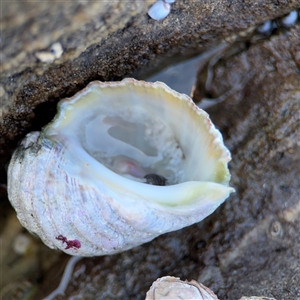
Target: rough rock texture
x=251 y=245
x=103 y=40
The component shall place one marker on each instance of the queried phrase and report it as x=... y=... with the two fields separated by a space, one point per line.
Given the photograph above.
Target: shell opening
x=136 y=128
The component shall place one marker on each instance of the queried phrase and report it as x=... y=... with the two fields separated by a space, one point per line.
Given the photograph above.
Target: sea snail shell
x=79 y=183
x=169 y=287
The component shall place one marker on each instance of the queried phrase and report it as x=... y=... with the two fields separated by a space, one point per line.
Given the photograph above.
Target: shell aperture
x=90 y=166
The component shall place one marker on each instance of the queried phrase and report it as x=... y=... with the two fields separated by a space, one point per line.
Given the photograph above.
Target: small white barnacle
x=159 y=10
x=266 y=28
x=290 y=19
x=22 y=243
x=57 y=50
x=45 y=57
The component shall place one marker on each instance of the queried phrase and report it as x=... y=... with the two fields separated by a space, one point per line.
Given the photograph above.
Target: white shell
x=79 y=183
x=159 y=10
x=57 y=50
x=169 y=287
x=266 y=28
x=291 y=19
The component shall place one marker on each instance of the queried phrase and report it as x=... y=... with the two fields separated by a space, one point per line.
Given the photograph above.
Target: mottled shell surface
x=81 y=183
x=169 y=287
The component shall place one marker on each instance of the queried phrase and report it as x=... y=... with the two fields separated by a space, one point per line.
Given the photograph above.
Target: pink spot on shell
x=70 y=243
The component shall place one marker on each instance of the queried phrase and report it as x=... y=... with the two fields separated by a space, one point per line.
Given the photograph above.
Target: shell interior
x=135 y=130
